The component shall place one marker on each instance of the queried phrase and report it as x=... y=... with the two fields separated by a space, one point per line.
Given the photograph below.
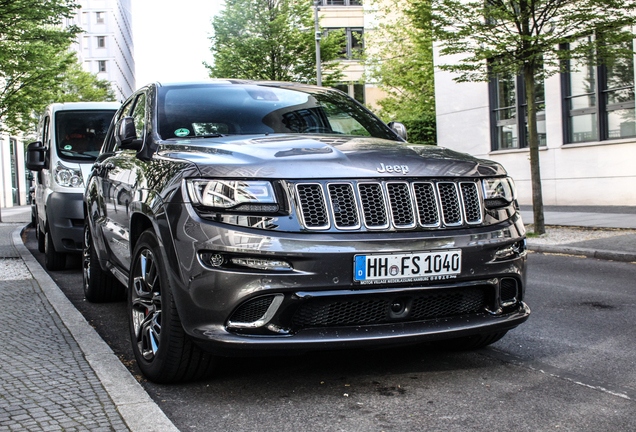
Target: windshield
x=204 y=110
x=80 y=134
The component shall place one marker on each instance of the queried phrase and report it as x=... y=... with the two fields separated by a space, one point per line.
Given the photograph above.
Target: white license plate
x=408 y=267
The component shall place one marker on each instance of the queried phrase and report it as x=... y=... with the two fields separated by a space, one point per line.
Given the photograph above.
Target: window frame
x=520 y=119
x=101 y=66
x=600 y=111
x=349 y=49
x=101 y=41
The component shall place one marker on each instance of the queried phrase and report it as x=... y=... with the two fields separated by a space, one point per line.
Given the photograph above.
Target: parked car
x=71 y=136
x=247 y=217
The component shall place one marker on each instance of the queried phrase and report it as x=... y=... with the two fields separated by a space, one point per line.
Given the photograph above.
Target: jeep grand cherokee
x=248 y=217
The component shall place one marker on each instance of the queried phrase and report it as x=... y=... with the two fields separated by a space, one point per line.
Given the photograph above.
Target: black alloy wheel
x=99 y=285
x=164 y=352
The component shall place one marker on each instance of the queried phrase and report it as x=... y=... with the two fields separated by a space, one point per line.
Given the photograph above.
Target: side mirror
x=399 y=129
x=126 y=136
x=35 y=156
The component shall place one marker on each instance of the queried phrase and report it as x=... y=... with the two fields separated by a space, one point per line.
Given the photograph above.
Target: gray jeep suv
x=247 y=217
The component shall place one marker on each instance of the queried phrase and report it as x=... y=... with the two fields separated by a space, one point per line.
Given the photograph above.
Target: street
x=570 y=367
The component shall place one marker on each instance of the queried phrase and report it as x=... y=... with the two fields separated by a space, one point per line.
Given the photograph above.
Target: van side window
x=46 y=141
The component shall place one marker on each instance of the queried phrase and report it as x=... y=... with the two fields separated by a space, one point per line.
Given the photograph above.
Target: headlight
x=234 y=195
x=498 y=192
x=68 y=177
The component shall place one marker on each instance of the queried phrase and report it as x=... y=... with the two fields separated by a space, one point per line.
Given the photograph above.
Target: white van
x=70 y=138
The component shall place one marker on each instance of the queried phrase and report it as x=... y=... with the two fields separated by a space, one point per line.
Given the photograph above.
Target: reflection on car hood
x=322 y=156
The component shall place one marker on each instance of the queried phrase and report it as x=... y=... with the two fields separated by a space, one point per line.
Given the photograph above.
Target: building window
x=353 y=42
x=100 y=17
x=101 y=65
x=101 y=41
x=509 y=112
x=342 y=2
x=599 y=101
x=353 y=89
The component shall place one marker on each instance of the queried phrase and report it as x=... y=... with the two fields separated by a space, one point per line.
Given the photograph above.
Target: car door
x=119 y=178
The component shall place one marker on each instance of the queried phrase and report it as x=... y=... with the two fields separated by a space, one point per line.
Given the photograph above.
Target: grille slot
x=401 y=205
x=376 y=310
x=449 y=199
x=427 y=211
x=312 y=203
x=371 y=205
x=343 y=206
x=470 y=199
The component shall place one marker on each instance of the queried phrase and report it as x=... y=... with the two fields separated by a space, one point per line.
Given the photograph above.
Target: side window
x=124 y=111
x=45 y=132
x=139 y=114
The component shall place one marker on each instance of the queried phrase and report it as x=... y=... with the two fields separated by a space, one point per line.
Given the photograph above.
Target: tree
x=531 y=38
x=271 y=40
x=77 y=85
x=399 y=60
x=33 y=54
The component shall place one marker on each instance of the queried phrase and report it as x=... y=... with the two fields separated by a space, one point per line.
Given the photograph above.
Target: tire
x=164 y=352
x=52 y=260
x=40 y=236
x=99 y=286
x=471 y=342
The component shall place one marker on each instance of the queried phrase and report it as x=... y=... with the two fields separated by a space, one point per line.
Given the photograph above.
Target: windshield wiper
x=73 y=154
x=215 y=135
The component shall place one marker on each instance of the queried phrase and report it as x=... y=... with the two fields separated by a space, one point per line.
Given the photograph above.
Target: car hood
x=322 y=157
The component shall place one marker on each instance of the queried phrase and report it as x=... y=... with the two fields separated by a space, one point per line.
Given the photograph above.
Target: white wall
x=597 y=173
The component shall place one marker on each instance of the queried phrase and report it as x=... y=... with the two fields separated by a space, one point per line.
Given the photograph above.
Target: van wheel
x=164 y=352
x=40 y=236
x=52 y=260
x=99 y=286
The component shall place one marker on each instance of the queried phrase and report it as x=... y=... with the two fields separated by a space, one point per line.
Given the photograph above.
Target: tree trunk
x=533 y=144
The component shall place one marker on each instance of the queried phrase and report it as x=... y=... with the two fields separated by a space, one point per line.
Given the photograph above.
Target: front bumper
x=65 y=214
x=334 y=310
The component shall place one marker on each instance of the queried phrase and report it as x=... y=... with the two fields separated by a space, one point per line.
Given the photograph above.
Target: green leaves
x=269 y=40
x=34 y=56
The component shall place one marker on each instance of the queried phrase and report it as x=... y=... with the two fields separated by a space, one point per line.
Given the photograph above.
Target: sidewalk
x=56 y=373
x=592 y=231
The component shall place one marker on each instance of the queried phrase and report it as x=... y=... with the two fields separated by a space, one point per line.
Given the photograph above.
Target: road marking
x=611 y=389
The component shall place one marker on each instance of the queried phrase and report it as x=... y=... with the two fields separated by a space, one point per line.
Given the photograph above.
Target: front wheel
x=53 y=260
x=164 y=352
x=99 y=286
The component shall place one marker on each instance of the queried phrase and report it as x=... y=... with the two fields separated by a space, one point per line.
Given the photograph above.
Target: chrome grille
x=377 y=205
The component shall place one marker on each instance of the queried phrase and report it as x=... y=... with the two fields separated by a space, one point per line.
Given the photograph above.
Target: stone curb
x=138 y=410
x=590 y=253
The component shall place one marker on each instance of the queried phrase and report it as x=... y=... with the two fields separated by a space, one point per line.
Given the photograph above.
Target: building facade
x=587 y=130
x=106 y=46
x=355 y=18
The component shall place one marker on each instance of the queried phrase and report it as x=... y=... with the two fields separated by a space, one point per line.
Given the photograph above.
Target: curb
x=589 y=253
x=137 y=409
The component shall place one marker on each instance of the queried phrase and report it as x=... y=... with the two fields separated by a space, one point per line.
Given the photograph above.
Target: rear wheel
x=99 y=286
x=53 y=260
x=471 y=342
x=164 y=352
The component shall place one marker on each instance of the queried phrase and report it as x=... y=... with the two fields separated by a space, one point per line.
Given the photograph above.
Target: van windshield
x=80 y=134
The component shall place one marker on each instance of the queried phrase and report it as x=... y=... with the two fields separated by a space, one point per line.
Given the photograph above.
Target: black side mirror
x=35 y=156
x=126 y=136
x=399 y=129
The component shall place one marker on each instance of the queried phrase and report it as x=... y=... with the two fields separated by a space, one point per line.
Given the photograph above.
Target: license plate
x=408 y=267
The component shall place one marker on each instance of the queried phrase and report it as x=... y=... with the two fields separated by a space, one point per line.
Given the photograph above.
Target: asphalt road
x=571 y=367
